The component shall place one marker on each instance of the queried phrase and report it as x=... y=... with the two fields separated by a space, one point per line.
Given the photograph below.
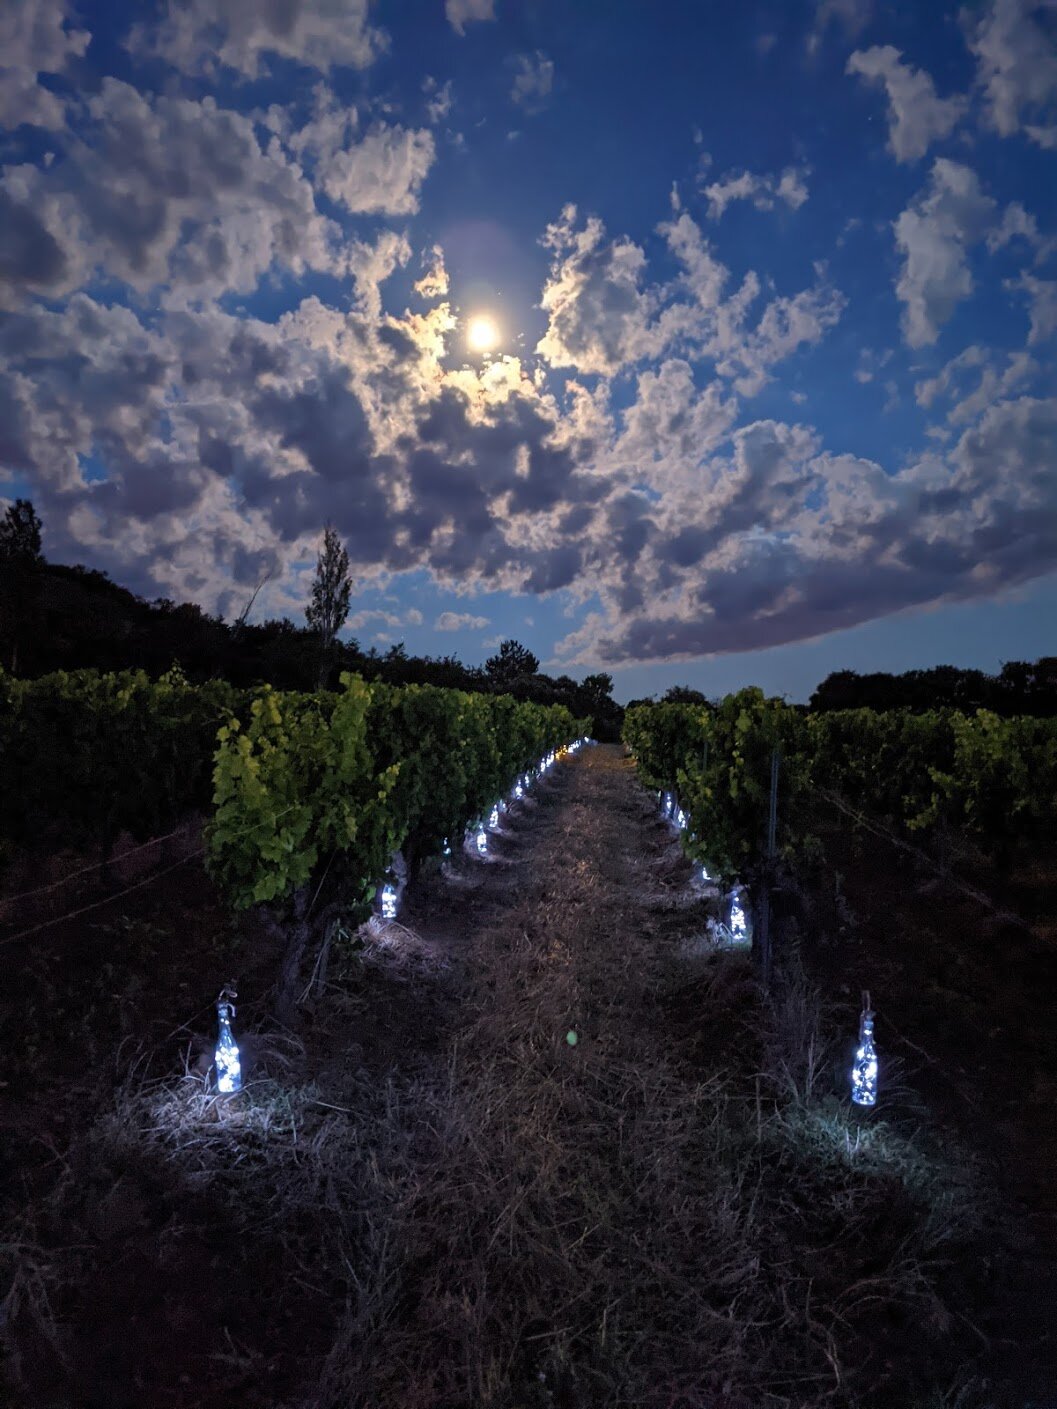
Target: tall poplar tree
x=329 y=606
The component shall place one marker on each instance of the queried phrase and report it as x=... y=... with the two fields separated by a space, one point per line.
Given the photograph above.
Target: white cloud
x=870 y=364
x=382 y=174
x=533 y=81
x=759 y=567
x=954 y=383
x=460 y=13
x=459 y=621
x=160 y=190
x=438 y=99
x=916 y=116
x=434 y=283
x=933 y=235
x=1017 y=68
x=1042 y=305
x=762 y=190
x=370 y=265
x=1020 y=224
x=195 y=35
x=597 y=311
x=604 y=315
x=671 y=426
x=378 y=173
x=394 y=620
x=36 y=36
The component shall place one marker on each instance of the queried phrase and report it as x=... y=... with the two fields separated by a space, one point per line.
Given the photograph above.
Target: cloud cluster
x=1017 y=68
x=163 y=191
x=800 y=543
x=36 y=36
x=934 y=235
x=460 y=13
x=459 y=621
x=604 y=315
x=197 y=35
x=533 y=81
x=762 y=190
x=916 y=116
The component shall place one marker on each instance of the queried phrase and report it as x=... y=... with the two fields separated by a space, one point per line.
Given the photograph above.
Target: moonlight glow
x=482 y=333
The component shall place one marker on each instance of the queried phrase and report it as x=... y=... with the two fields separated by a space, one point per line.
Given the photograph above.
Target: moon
x=482 y=333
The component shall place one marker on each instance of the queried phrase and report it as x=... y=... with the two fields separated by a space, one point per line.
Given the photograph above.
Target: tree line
x=59 y=617
x=1020 y=688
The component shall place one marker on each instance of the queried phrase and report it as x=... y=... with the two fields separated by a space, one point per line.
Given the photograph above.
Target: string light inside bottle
x=446 y=849
x=482 y=842
x=493 y=818
x=739 y=930
x=864 y=1072
x=388 y=902
x=226 y=1060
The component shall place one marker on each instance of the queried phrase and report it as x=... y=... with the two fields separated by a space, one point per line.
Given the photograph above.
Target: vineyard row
x=294 y=786
x=991 y=778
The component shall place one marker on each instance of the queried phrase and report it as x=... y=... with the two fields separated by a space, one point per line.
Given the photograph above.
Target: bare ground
x=429 y=1197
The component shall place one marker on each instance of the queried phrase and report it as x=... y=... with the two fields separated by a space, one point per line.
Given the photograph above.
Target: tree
x=598 y=688
x=683 y=694
x=20 y=532
x=329 y=607
x=512 y=662
x=20 y=587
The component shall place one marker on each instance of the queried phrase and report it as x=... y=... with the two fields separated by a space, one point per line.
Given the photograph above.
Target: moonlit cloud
x=167 y=191
x=438 y=99
x=533 y=81
x=934 y=234
x=460 y=13
x=916 y=116
x=605 y=314
x=36 y=37
x=459 y=621
x=1041 y=297
x=196 y=35
x=1017 y=68
x=763 y=191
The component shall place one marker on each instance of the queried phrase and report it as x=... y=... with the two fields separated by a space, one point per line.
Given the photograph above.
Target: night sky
x=692 y=342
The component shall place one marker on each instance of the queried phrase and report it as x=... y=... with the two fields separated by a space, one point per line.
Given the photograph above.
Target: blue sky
x=773 y=295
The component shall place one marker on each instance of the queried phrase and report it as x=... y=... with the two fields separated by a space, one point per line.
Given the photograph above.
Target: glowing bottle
x=739 y=931
x=226 y=1057
x=864 y=1072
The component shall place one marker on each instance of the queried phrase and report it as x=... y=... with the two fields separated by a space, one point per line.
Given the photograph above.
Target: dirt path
x=617 y=1221
x=436 y=1200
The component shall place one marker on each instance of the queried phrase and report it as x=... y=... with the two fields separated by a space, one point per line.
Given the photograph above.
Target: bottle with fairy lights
x=864 y=1070
x=226 y=1056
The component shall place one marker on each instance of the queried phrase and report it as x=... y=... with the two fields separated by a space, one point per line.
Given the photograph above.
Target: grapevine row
x=290 y=782
x=994 y=779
